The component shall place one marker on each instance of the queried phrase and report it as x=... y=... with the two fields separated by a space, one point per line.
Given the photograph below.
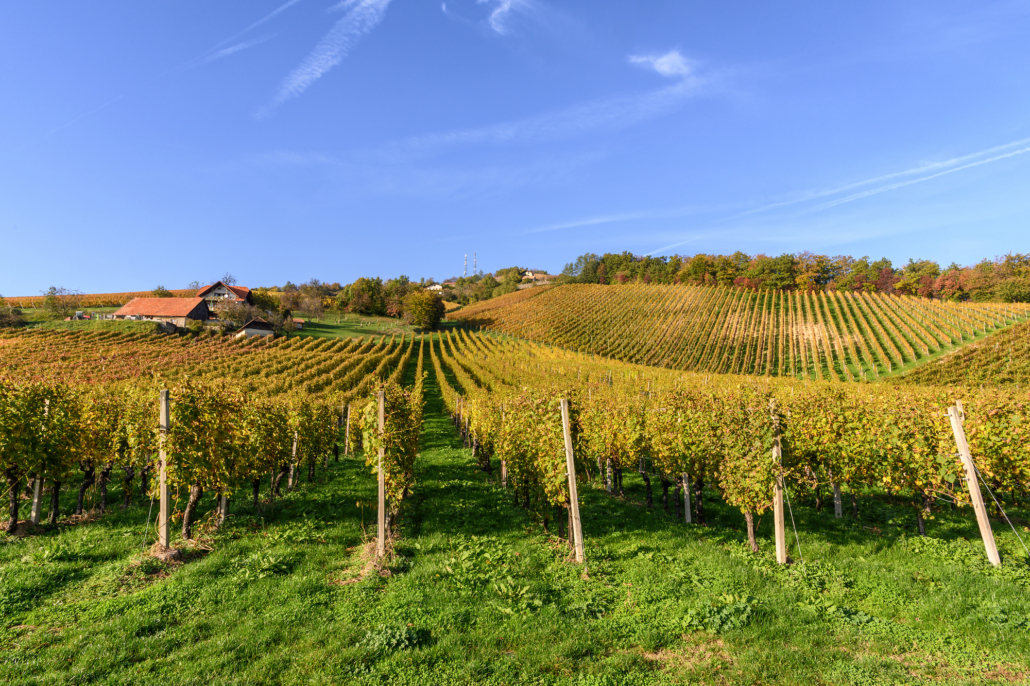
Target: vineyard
x=553 y=516
x=819 y=336
x=89 y=300
x=719 y=430
x=1000 y=360
x=264 y=367
x=86 y=402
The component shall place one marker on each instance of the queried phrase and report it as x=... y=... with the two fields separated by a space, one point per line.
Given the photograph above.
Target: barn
x=256 y=327
x=177 y=311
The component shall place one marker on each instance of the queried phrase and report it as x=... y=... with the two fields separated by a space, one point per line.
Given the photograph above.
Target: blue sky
x=146 y=143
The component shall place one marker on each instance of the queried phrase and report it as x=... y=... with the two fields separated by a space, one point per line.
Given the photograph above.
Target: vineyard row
x=688 y=430
x=821 y=336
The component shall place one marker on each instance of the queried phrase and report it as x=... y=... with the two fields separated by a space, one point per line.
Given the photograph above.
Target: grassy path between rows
x=477 y=593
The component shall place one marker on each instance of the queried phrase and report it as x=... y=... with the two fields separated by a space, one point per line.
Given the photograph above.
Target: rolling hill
x=999 y=360
x=830 y=335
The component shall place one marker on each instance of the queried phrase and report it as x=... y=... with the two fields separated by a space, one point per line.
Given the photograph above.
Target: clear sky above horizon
x=146 y=143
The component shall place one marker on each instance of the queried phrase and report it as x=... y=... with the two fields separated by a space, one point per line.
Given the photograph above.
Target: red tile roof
x=241 y=292
x=159 y=307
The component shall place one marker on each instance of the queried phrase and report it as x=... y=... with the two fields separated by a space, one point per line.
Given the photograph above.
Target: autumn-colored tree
x=424 y=309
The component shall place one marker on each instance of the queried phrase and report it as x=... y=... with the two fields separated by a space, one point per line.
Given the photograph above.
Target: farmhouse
x=256 y=327
x=538 y=277
x=175 y=311
x=298 y=324
x=223 y=293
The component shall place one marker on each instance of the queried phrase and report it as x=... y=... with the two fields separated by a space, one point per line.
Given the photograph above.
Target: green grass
x=102 y=325
x=349 y=325
x=37 y=316
x=477 y=593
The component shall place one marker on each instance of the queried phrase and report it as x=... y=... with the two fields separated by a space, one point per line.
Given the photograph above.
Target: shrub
x=424 y=309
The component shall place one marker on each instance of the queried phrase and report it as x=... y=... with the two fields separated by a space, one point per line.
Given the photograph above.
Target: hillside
x=831 y=335
x=1001 y=359
x=478 y=310
x=88 y=300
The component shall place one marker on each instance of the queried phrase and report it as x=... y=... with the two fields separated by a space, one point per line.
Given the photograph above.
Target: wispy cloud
x=504 y=11
x=617 y=217
x=216 y=52
x=671 y=64
x=361 y=17
x=610 y=114
x=360 y=178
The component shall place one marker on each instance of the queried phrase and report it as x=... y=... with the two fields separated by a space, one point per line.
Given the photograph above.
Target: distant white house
x=537 y=277
x=435 y=287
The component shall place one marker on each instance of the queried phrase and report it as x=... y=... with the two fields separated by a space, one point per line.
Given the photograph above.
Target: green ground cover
x=476 y=593
x=348 y=325
x=37 y=316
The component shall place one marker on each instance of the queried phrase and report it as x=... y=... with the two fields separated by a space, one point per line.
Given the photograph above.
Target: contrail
x=209 y=56
x=256 y=24
x=612 y=114
x=363 y=16
x=676 y=245
x=81 y=116
x=231 y=50
x=877 y=179
x=890 y=187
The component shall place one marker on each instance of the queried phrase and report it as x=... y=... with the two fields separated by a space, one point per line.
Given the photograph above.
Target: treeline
x=1003 y=279
x=400 y=297
x=480 y=286
x=369 y=296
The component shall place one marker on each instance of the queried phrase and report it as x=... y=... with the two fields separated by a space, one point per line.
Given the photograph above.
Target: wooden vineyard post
x=504 y=463
x=686 y=497
x=293 y=463
x=164 y=512
x=838 y=505
x=339 y=425
x=954 y=413
x=381 y=521
x=778 y=523
x=346 y=449
x=37 y=500
x=37 y=491
x=570 y=462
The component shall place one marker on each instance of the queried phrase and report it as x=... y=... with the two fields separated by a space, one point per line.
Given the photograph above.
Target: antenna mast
x=465 y=271
x=475 y=263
